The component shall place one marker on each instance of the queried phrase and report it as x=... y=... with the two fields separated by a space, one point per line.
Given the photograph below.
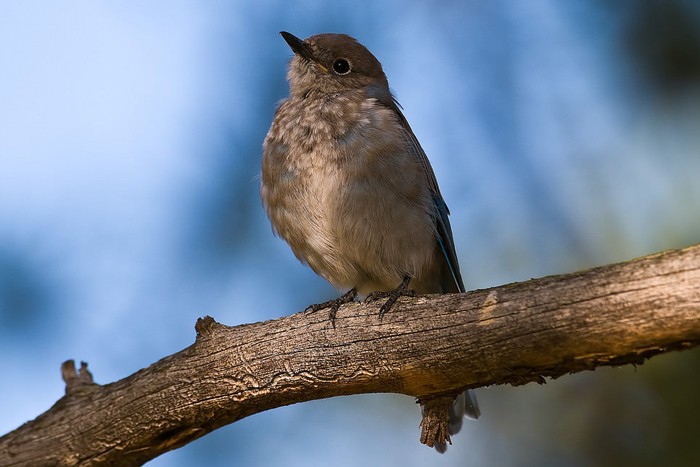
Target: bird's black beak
x=297 y=45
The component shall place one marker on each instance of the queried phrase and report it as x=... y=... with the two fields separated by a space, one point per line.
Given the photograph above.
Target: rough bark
x=430 y=347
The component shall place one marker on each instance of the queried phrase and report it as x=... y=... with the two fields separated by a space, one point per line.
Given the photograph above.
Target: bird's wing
x=442 y=221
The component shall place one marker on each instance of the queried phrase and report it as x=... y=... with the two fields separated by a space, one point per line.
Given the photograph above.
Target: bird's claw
x=391 y=296
x=333 y=305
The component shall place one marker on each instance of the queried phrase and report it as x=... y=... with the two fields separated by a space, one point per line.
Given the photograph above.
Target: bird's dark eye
x=341 y=66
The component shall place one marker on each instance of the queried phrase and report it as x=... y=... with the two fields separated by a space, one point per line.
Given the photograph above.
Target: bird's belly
x=351 y=236
x=381 y=236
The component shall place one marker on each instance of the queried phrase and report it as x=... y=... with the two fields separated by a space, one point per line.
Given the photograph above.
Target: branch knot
x=76 y=380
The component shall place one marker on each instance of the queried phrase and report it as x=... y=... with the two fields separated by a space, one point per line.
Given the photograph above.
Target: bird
x=347 y=185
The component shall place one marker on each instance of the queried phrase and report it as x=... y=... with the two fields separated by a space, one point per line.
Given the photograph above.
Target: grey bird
x=347 y=185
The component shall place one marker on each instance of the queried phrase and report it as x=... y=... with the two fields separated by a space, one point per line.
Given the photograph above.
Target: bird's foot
x=401 y=291
x=333 y=305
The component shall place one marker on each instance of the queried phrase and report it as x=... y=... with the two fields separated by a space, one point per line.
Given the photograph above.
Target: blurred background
x=564 y=135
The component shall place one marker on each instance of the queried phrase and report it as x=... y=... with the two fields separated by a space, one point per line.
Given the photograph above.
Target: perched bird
x=346 y=183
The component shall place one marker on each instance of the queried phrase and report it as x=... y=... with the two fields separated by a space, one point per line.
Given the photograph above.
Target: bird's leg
x=392 y=295
x=334 y=305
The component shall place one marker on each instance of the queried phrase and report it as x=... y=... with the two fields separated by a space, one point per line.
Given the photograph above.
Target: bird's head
x=331 y=63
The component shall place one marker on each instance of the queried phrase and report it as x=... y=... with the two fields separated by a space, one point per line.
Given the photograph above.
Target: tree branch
x=428 y=347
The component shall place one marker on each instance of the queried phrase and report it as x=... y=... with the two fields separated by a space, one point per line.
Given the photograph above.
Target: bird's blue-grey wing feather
x=442 y=221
